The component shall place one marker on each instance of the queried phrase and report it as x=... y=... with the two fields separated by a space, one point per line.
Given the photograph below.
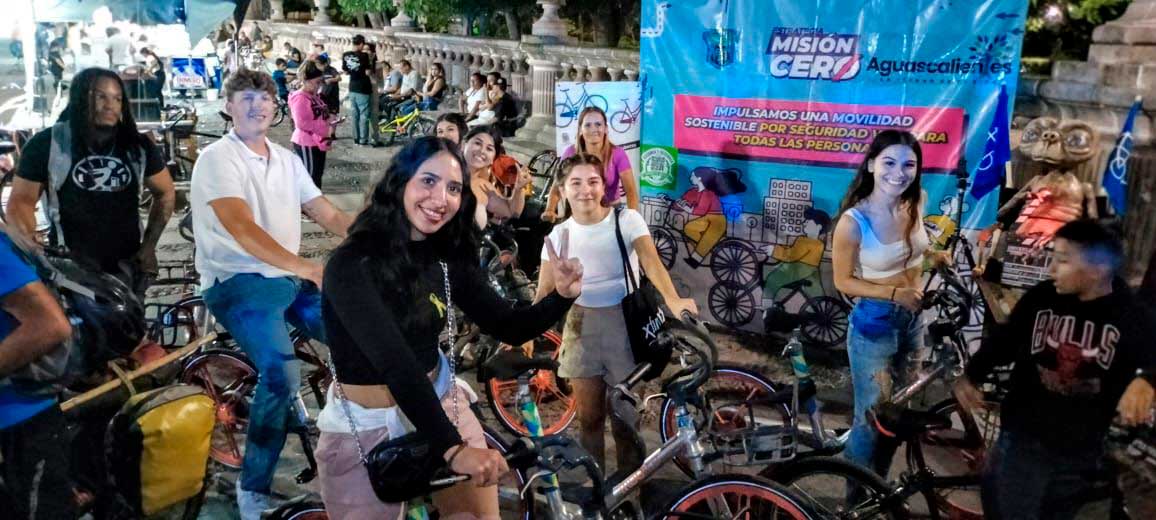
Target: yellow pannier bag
x=158 y=447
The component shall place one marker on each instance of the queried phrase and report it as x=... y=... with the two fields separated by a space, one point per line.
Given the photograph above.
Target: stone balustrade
x=532 y=69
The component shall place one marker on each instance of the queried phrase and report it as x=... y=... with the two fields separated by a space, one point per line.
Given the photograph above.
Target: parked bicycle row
x=430 y=277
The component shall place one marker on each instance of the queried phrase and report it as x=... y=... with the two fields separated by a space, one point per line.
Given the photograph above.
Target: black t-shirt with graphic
x=358 y=65
x=100 y=200
x=330 y=92
x=1073 y=360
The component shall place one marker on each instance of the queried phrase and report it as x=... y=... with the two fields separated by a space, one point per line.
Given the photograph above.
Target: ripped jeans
x=882 y=336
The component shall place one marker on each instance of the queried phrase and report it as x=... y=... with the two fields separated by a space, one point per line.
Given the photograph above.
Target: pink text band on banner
x=800 y=132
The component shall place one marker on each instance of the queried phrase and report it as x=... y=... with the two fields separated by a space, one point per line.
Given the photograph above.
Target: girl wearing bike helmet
x=388 y=295
x=878 y=253
x=595 y=346
x=594 y=139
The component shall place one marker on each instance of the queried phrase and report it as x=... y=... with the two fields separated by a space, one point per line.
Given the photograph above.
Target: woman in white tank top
x=877 y=256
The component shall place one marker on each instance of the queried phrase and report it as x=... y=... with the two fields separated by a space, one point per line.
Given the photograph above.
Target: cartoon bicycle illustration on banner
x=715 y=233
x=623 y=120
x=567 y=109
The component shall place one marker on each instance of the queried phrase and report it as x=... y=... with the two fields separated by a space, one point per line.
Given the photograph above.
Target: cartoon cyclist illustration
x=941 y=227
x=703 y=201
x=800 y=260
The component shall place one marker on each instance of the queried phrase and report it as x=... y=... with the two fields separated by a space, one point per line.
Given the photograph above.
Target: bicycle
x=623 y=120
x=567 y=111
x=551 y=393
x=733 y=262
x=408 y=126
x=950 y=491
x=824 y=320
x=709 y=496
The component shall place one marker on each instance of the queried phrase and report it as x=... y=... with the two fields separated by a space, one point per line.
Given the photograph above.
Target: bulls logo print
x=101 y=173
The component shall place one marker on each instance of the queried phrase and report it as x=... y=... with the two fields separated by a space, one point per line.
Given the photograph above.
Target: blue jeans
x=257 y=312
x=881 y=338
x=426 y=104
x=1023 y=479
x=360 y=115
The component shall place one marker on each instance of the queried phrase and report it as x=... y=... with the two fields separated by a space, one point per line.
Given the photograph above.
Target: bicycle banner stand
x=620 y=100
x=757 y=117
x=145 y=369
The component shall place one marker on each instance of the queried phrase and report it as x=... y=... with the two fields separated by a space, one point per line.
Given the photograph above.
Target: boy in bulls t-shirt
x=1084 y=349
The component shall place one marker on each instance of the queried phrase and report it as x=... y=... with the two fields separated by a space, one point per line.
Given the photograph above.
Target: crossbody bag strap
x=631 y=283
x=344 y=401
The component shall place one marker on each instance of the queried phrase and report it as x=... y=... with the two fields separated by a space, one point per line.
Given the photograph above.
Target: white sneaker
x=251 y=503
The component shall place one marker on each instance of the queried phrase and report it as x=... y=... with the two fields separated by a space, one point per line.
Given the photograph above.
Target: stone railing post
x=580 y=72
x=614 y=73
x=522 y=84
x=277 y=10
x=541 y=119
x=322 y=13
x=549 y=28
x=402 y=19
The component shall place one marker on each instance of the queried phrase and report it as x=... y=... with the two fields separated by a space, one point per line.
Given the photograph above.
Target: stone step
x=1130 y=75
x=1076 y=71
x=1112 y=53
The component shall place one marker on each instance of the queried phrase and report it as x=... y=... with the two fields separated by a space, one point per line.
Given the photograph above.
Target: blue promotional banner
x=756 y=114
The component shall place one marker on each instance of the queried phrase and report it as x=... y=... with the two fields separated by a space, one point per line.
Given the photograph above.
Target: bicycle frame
x=399 y=123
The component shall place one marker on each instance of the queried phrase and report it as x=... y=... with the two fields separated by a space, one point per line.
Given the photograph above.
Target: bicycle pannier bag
x=158 y=448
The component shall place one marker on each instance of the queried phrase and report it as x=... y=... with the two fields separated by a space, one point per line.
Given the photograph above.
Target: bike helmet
x=107 y=318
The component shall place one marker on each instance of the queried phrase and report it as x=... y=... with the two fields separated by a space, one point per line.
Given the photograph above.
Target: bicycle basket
x=756 y=445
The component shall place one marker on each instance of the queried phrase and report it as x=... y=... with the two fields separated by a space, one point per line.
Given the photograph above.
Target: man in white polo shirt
x=247 y=195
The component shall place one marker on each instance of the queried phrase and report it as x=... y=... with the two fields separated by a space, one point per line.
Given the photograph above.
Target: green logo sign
x=658 y=166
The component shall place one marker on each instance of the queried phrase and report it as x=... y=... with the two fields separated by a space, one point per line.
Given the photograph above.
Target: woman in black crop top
x=384 y=305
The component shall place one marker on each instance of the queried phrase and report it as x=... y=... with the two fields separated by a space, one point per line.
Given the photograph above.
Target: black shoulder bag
x=643 y=314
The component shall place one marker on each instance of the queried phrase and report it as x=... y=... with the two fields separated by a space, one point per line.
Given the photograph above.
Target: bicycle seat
x=896 y=421
x=798 y=284
x=225 y=115
x=509 y=364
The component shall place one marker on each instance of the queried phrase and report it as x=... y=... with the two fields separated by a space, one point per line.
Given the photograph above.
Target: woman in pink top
x=619 y=175
x=313 y=126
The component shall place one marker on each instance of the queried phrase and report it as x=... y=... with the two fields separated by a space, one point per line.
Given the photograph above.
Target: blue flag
x=1116 y=176
x=996 y=153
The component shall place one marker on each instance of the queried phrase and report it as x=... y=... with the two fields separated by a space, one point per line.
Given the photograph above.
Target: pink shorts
x=345 y=486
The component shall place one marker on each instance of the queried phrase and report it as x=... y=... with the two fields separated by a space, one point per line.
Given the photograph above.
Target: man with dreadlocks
x=90 y=167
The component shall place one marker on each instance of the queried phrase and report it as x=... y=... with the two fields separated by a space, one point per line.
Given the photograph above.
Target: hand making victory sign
x=567 y=272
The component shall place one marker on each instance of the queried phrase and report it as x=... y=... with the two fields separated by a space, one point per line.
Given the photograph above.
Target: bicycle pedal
x=305 y=476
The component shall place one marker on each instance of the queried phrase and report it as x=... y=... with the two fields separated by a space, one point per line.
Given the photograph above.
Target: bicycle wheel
x=736 y=497
x=731 y=305
x=621 y=121
x=279 y=116
x=957 y=451
x=733 y=261
x=420 y=127
x=664 y=242
x=229 y=378
x=825 y=321
x=511 y=504
x=598 y=100
x=564 y=115
x=542 y=164
x=826 y=485
x=298 y=510
x=556 y=407
x=728 y=395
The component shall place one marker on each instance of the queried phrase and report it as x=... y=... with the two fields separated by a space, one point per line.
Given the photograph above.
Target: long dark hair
x=381 y=232
x=864 y=182
x=78 y=114
x=721 y=182
x=455 y=119
x=495 y=134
